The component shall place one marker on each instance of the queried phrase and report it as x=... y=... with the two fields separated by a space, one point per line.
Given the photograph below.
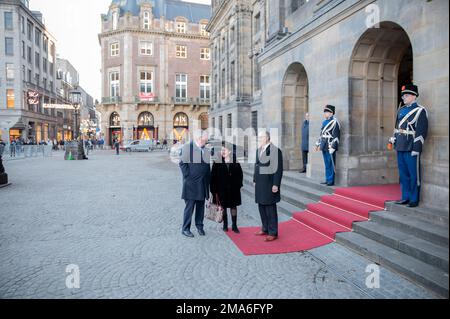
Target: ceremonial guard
x=328 y=143
x=409 y=138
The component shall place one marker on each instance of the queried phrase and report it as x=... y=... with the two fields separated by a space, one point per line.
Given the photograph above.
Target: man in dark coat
x=267 y=180
x=196 y=170
x=305 y=143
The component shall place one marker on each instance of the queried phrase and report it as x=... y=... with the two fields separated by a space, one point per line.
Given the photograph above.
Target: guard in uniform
x=410 y=133
x=328 y=143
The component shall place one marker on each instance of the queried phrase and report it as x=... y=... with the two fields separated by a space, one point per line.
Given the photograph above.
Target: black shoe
x=201 y=232
x=412 y=205
x=402 y=202
x=330 y=184
x=188 y=234
x=225 y=221
x=303 y=171
x=225 y=229
x=234 y=227
x=324 y=183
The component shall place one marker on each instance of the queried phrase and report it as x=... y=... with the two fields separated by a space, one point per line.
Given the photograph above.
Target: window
x=205 y=87
x=24 y=50
x=37 y=37
x=215 y=88
x=255 y=121
x=37 y=60
x=146 y=48
x=181 y=27
x=24 y=73
x=222 y=85
x=22 y=24
x=181 y=120
x=229 y=121
x=181 y=51
x=146 y=82
x=44 y=65
x=8 y=20
x=115 y=49
x=257 y=23
x=203 y=30
x=37 y=78
x=205 y=54
x=204 y=121
x=114 y=80
x=9 y=46
x=29 y=55
x=29 y=76
x=45 y=44
x=146 y=119
x=221 y=124
x=52 y=69
x=115 y=20
x=181 y=86
x=146 y=22
x=295 y=4
x=258 y=77
x=10 y=99
x=9 y=71
x=51 y=87
x=233 y=77
x=44 y=83
x=29 y=30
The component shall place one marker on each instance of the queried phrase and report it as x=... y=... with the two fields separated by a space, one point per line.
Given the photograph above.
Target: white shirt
x=263 y=150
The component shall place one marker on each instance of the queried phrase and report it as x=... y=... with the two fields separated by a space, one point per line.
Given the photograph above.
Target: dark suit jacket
x=268 y=173
x=196 y=172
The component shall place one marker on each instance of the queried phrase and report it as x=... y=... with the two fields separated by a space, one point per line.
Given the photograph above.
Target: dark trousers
x=330 y=166
x=305 y=159
x=199 y=214
x=410 y=176
x=269 y=219
x=117 y=150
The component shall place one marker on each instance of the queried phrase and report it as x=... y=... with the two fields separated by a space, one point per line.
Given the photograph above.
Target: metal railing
x=111 y=100
x=11 y=152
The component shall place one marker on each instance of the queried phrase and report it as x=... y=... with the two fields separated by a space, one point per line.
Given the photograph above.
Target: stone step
x=298 y=179
x=431 y=277
x=284 y=207
x=436 y=234
x=423 y=250
x=435 y=216
x=293 y=198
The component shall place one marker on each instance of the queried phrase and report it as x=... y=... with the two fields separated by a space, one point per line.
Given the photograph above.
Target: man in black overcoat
x=267 y=180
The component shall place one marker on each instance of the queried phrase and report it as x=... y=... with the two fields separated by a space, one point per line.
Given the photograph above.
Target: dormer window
x=203 y=31
x=181 y=27
x=115 y=20
x=146 y=21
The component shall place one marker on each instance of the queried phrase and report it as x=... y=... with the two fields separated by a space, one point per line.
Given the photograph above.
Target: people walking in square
x=226 y=183
x=328 y=143
x=267 y=178
x=411 y=131
x=305 y=143
x=12 y=148
x=196 y=170
x=116 y=144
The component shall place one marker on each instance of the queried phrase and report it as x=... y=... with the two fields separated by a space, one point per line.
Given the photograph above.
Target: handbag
x=214 y=211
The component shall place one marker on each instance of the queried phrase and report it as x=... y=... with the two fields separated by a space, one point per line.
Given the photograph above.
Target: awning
x=19 y=125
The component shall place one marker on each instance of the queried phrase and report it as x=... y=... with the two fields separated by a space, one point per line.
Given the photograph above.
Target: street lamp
x=76 y=100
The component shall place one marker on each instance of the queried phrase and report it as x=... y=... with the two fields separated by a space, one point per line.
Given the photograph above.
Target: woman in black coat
x=226 y=183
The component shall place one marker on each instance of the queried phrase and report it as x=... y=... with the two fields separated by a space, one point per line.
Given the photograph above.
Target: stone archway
x=295 y=105
x=381 y=63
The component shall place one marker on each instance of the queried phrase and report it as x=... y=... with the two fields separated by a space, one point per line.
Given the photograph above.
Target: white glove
x=332 y=150
x=415 y=153
x=392 y=140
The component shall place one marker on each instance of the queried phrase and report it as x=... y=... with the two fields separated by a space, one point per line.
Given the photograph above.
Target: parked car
x=139 y=146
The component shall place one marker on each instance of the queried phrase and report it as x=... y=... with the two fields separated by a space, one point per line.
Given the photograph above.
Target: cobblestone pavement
x=118 y=218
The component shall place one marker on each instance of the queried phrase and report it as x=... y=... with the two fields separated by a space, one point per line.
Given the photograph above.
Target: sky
x=76 y=24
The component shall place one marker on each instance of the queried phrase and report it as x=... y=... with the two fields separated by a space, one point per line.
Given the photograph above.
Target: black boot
x=225 y=221
x=234 y=227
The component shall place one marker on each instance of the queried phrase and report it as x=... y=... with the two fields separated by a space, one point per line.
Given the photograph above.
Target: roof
x=170 y=9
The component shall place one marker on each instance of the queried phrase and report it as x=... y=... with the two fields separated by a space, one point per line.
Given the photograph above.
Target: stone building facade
x=28 y=58
x=155 y=69
x=354 y=54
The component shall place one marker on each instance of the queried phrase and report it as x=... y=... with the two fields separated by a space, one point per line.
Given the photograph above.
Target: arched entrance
x=294 y=108
x=146 y=127
x=181 y=126
x=381 y=63
x=115 y=128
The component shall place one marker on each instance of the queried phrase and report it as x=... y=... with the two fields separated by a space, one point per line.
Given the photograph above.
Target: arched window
x=114 y=120
x=146 y=119
x=181 y=120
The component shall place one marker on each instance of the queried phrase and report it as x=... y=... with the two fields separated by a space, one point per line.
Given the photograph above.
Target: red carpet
x=318 y=224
